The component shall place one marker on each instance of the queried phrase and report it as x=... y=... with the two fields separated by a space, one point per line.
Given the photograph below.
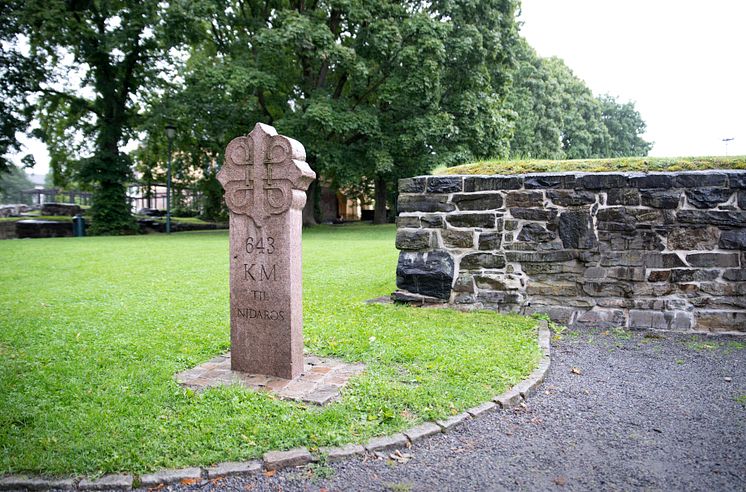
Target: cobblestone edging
x=275 y=460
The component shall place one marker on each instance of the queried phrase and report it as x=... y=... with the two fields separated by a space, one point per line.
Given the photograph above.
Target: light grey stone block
x=509 y=399
x=342 y=452
x=481 y=409
x=422 y=431
x=233 y=468
x=275 y=460
x=454 y=421
x=107 y=482
x=387 y=443
x=22 y=482
x=170 y=476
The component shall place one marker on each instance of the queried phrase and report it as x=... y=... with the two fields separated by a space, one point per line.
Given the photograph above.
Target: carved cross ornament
x=264 y=174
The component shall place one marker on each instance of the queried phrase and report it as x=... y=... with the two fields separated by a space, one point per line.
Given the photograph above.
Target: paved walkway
x=618 y=411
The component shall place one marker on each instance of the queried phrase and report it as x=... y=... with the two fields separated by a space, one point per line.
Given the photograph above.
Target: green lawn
x=92 y=331
x=522 y=166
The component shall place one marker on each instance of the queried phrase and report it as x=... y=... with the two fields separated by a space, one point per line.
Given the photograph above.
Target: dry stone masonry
x=653 y=250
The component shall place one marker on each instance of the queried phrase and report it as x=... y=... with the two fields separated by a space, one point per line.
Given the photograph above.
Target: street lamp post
x=170 y=134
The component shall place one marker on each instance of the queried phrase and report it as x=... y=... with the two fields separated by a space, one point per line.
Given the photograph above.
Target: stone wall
x=654 y=250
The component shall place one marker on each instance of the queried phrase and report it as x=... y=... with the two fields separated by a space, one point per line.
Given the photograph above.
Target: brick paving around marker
x=319 y=383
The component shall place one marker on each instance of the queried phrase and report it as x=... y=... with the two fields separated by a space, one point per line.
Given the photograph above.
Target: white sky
x=682 y=62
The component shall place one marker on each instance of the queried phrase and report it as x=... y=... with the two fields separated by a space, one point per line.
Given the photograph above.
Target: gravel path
x=618 y=411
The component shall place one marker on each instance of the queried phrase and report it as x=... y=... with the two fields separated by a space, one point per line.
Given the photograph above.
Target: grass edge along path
x=92 y=331
x=617 y=164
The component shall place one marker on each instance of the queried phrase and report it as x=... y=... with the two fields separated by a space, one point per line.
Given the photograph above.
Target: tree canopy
x=558 y=117
x=375 y=90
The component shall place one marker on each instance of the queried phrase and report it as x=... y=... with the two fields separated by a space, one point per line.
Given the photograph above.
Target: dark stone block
x=712 y=217
x=457 y=239
x=412 y=185
x=500 y=298
x=53 y=208
x=657 y=180
x=571 y=198
x=681 y=275
x=489 y=240
x=33 y=228
x=432 y=221
x=411 y=222
x=623 y=196
x=524 y=199
x=492 y=183
x=713 y=260
x=607 y=289
x=476 y=261
x=478 y=201
x=659 y=276
x=662 y=260
x=634 y=274
x=624 y=241
x=660 y=198
x=708 y=197
x=540 y=257
x=735 y=275
x=413 y=239
x=742 y=200
x=464 y=283
x=626 y=258
x=697 y=179
x=532 y=246
x=510 y=225
x=616 y=219
x=735 y=239
x=688 y=238
x=576 y=229
x=425 y=203
x=445 y=184
x=536 y=233
x=429 y=274
x=601 y=181
x=485 y=221
x=544 y=181
x=572 y=267
x=736 y=179
x=535 y=214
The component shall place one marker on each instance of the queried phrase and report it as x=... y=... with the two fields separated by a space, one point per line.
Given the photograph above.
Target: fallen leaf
x=188 y=481
x=157 y=487
x=575 y=370
x=270 y=473
x=560 y=480
x=400 y=457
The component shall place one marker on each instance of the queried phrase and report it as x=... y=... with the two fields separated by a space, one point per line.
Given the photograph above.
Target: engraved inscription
x=269 y=314
x=260 y=246
x=259 y=295
x=259 y=273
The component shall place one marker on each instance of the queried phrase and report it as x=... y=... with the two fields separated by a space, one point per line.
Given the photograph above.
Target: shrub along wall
x=654 y=250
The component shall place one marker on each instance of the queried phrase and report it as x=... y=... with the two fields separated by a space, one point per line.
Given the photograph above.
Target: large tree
x=97 y=54
x=374 y=89
x=558 y=117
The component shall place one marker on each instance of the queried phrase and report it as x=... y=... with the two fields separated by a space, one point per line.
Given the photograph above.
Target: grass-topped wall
x=662 y=250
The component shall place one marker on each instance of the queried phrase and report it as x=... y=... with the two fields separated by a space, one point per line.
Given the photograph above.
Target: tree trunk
x=379 y=214
x=309 y=217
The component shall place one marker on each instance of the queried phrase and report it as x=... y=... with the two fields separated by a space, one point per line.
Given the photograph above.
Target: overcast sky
x=682 y=62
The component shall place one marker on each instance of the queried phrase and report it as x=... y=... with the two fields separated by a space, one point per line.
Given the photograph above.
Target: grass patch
x=92 y=331
x=521 y=166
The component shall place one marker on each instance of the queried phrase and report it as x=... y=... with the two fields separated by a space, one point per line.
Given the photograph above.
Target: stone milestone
x=265 y=177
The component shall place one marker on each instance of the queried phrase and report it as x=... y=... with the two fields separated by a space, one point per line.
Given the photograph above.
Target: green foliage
x=113 y=48
x=644 y=164
x=557 y=116
x=93 y=330
x=375 y=90
x=12 y=183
